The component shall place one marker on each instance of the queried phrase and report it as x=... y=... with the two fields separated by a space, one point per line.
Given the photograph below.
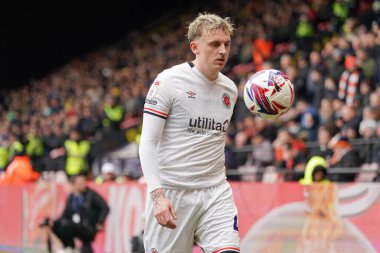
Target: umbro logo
x=191 y=94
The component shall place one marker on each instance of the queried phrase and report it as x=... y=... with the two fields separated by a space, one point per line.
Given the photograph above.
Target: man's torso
x=191 y=149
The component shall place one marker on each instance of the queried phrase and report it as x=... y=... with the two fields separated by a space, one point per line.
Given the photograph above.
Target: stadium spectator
x=330 y=90
x=241 y=111
x=262 y=49
x=315 y=171
x=367 y=64
x=109 y=174
x=335 y=64
x=3 y=154
x=286 y=62
x=262 y=154
x=268 y=129
x=113 y=112
x=325 y=135
x=315 y=79
x=77 y=154
x=88 y=123
x=19 y=170
x=350 y=132
x=367 y=130
x=34 y=149
x=16 y=146
x=350 y=120
x=112 y=117
x=326 y=114
x=365 y=91
x=302 y=72
x=344 y=157
x=309 y=128
x=54 y=147
x=241 y=140
x=289 y=152
x=349 y=80
x=231 y=158
x=374 y=99
x=370 y=113
x=304 y=33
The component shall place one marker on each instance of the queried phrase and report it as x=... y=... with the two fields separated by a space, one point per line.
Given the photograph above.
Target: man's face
x=212 y=49
x=74 y=135
x=323 y=136
x=79 y=184
x=348 y=113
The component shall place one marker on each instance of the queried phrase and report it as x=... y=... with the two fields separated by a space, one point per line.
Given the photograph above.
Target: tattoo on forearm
x=156 y=195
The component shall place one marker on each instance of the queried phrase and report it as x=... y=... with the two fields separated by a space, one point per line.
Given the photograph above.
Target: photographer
x=83 y=216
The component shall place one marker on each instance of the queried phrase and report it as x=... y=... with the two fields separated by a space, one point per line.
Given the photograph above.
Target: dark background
x=37 y=37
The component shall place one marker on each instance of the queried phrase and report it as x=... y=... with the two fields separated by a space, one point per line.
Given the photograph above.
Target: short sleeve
x=159 y=98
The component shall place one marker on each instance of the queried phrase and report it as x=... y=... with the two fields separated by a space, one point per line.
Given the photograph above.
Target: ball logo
x=226 y=100
x=259 y=94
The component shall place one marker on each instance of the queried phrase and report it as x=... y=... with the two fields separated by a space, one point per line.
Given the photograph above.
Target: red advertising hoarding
x=274 y=218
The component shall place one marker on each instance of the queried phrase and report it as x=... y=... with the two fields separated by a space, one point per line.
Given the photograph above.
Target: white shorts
x=207 y=217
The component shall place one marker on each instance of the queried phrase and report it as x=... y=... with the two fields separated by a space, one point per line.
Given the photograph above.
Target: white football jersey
x=197 y=112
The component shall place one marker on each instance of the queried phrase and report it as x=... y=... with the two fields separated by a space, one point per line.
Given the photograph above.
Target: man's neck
x=77 y=193
x=206 y=71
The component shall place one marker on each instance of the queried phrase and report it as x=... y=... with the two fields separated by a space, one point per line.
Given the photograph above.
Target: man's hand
x=163 y=209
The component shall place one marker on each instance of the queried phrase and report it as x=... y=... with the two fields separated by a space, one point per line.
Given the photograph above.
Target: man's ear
x=194 y=47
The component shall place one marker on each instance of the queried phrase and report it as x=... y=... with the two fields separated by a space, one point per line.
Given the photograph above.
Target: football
x=269 y=93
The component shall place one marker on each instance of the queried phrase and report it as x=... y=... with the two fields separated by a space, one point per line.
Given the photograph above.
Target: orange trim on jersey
x=227 y=248
x=152 y=110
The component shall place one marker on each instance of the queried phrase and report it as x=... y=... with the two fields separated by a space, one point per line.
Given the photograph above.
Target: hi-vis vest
x=15 y=147
x=310 y=166
x=34 y=146
x=3 y=157
x=114 y=114
x=77 y=153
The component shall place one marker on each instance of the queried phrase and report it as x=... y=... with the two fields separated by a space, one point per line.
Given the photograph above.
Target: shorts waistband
x=171 y=187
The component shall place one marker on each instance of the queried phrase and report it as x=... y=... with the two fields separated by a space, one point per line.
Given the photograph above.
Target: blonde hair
x=206 y=22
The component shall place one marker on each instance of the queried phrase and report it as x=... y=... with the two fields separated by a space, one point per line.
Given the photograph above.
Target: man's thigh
x=217 y=229
x=71 y=230
x=84 y=233
x=181 y=239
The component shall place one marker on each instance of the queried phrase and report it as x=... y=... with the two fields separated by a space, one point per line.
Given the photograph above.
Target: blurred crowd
x=330 y=50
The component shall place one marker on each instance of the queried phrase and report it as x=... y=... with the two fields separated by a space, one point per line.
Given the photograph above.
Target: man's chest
x=203 y=101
